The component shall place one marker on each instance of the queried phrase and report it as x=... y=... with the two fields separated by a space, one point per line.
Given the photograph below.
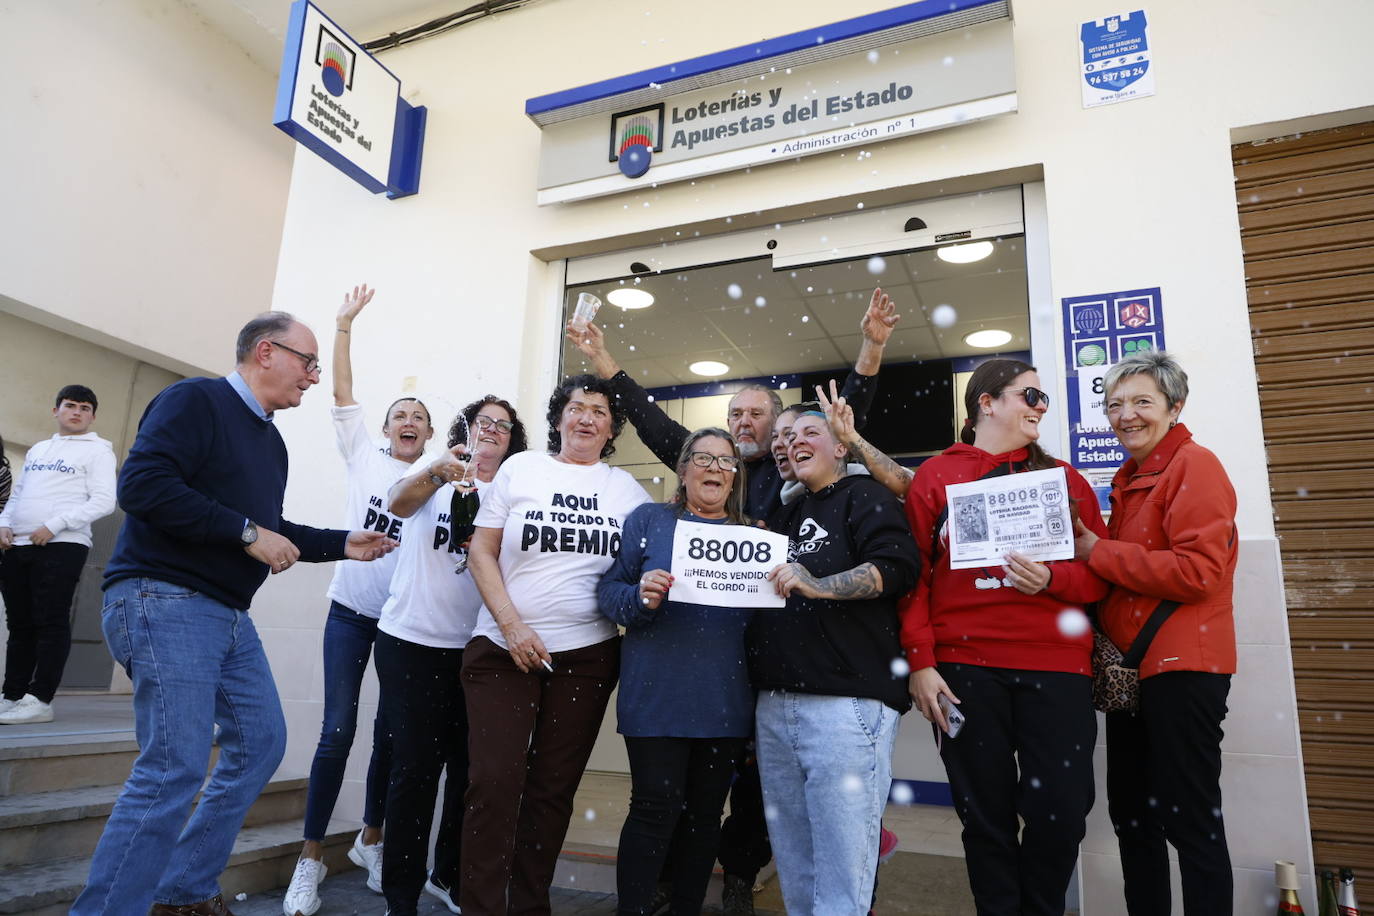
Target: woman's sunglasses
x=1035 y=397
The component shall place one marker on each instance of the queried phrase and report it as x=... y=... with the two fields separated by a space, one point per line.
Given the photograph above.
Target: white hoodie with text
x=67 y=482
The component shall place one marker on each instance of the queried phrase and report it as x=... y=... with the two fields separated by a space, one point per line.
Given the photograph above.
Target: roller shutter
x=1306 y=208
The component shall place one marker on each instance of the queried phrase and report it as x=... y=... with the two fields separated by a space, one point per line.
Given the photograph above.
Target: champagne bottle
x=1346 y=904
x=1326 y=895
x=1286 y=877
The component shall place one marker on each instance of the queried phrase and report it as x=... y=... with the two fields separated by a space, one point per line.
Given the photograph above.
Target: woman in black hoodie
x=830 y=675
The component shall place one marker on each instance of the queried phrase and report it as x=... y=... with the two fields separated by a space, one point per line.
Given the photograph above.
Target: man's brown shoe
x=212 y=907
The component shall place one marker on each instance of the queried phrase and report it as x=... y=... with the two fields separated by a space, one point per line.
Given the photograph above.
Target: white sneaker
x=29 y=709
x=445 y=894
x=6 y=704
x=370 y=858
x=303 y=896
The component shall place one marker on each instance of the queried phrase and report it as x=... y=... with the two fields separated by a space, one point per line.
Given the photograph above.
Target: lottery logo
x=1134 y=313
x=1092 y=355
x=335 y=62
x=635 y=137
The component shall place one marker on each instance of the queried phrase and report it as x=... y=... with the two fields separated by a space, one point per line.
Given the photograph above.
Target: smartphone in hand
x=952 y=715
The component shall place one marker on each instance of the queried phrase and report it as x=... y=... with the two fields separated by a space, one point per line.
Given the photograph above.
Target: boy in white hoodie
x=67 y=483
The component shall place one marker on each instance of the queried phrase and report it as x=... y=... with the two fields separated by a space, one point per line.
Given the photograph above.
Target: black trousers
x=424 y=708
x=38 y=584
x=1026 y=751
x=744 y=846
x=1164 y=785
x=677 y=791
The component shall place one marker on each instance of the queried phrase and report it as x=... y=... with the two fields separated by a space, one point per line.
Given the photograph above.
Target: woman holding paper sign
x=686 y=707
x=1173 y=538
x=829 y=698
x=1011 y=648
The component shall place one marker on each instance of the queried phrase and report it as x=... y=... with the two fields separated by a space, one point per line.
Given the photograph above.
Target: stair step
x=48 y=764
x=263 y=859
x=66 y=822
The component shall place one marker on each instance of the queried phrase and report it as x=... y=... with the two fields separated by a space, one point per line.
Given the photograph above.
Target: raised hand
x=353 y=304
x=839 y=414
x=879 y=319
x=592 y=344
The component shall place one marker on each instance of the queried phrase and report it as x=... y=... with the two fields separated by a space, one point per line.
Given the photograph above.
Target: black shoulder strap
x=1000 y=471
x=1141 y=645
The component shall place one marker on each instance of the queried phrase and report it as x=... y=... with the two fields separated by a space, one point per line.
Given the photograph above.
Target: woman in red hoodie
x=1173 y=538
x=1011 y=647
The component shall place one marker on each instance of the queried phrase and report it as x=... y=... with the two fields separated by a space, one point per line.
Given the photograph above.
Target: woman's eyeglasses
x=706 y=459
x=1035 y=397
x=487 y=424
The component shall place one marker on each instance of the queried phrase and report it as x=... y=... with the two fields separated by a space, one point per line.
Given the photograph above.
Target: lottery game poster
x=1099 y=330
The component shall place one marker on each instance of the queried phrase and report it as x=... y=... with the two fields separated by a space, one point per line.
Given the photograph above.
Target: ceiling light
x=627 y=297
x=964 y=254
x=988 y=339
x=711 y=368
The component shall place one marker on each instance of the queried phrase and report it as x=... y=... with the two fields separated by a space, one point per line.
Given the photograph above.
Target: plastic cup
x=587 y=304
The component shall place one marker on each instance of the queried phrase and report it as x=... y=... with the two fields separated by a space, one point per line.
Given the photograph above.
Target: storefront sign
x=338 y=101
x=1100 y=330
x=1115 y=59
x=641 y=131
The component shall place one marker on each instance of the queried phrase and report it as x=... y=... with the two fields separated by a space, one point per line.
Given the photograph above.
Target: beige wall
x=145 y=186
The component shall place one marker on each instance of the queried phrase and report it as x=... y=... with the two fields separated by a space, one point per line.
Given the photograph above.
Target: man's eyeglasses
x=312 y=362
x=487 y=424
x=1035 y=397
x=706 y=459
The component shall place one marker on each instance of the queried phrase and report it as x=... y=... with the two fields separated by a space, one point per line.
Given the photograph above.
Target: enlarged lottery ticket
x=990 y=518
x=726 y=565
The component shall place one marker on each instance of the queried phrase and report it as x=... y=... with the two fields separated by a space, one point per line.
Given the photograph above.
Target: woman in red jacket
x=1173 y=537
x=1011 y=647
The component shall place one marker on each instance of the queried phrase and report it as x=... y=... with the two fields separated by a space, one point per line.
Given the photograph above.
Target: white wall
x=145 y=186
x=1138 y=194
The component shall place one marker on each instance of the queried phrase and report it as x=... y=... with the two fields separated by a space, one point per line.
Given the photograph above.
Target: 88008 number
x=730 y=551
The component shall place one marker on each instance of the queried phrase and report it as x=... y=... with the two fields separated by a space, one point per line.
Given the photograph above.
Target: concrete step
x=42 y=826
x=263 y=859
x=53 y=764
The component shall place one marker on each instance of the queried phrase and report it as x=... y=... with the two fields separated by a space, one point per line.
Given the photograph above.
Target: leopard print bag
x=1116 y=677
x=1115 y=687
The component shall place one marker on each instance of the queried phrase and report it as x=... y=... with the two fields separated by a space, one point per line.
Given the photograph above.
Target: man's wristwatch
x=249 y=535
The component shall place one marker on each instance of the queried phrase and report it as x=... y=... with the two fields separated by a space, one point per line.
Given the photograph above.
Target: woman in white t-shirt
x=356 y=596
x=426 y=622
x=543 y=659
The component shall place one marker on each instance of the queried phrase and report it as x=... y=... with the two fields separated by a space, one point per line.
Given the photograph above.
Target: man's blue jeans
x=348 y=639
x=826 y=766
x=194 y=662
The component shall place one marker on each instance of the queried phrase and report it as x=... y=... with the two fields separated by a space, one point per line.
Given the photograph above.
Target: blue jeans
x=826 y=766
x=194 y=662
x=348 y=639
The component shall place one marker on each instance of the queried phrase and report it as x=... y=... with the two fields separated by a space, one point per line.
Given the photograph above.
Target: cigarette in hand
x=547 y=666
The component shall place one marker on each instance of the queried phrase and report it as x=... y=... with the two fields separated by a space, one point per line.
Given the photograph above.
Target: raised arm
x=343 y=359
x=862 y=383
x=661 y=433
x=884 y=470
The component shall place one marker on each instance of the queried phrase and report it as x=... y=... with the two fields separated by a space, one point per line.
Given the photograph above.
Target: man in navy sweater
x=203 y=488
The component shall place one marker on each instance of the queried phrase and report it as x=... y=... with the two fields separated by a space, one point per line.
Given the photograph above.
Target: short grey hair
x=262 y=327
x=772 y=396
x=1160 y=366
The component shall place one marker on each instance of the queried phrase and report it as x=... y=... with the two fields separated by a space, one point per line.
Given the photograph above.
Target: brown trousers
x=529 y=739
